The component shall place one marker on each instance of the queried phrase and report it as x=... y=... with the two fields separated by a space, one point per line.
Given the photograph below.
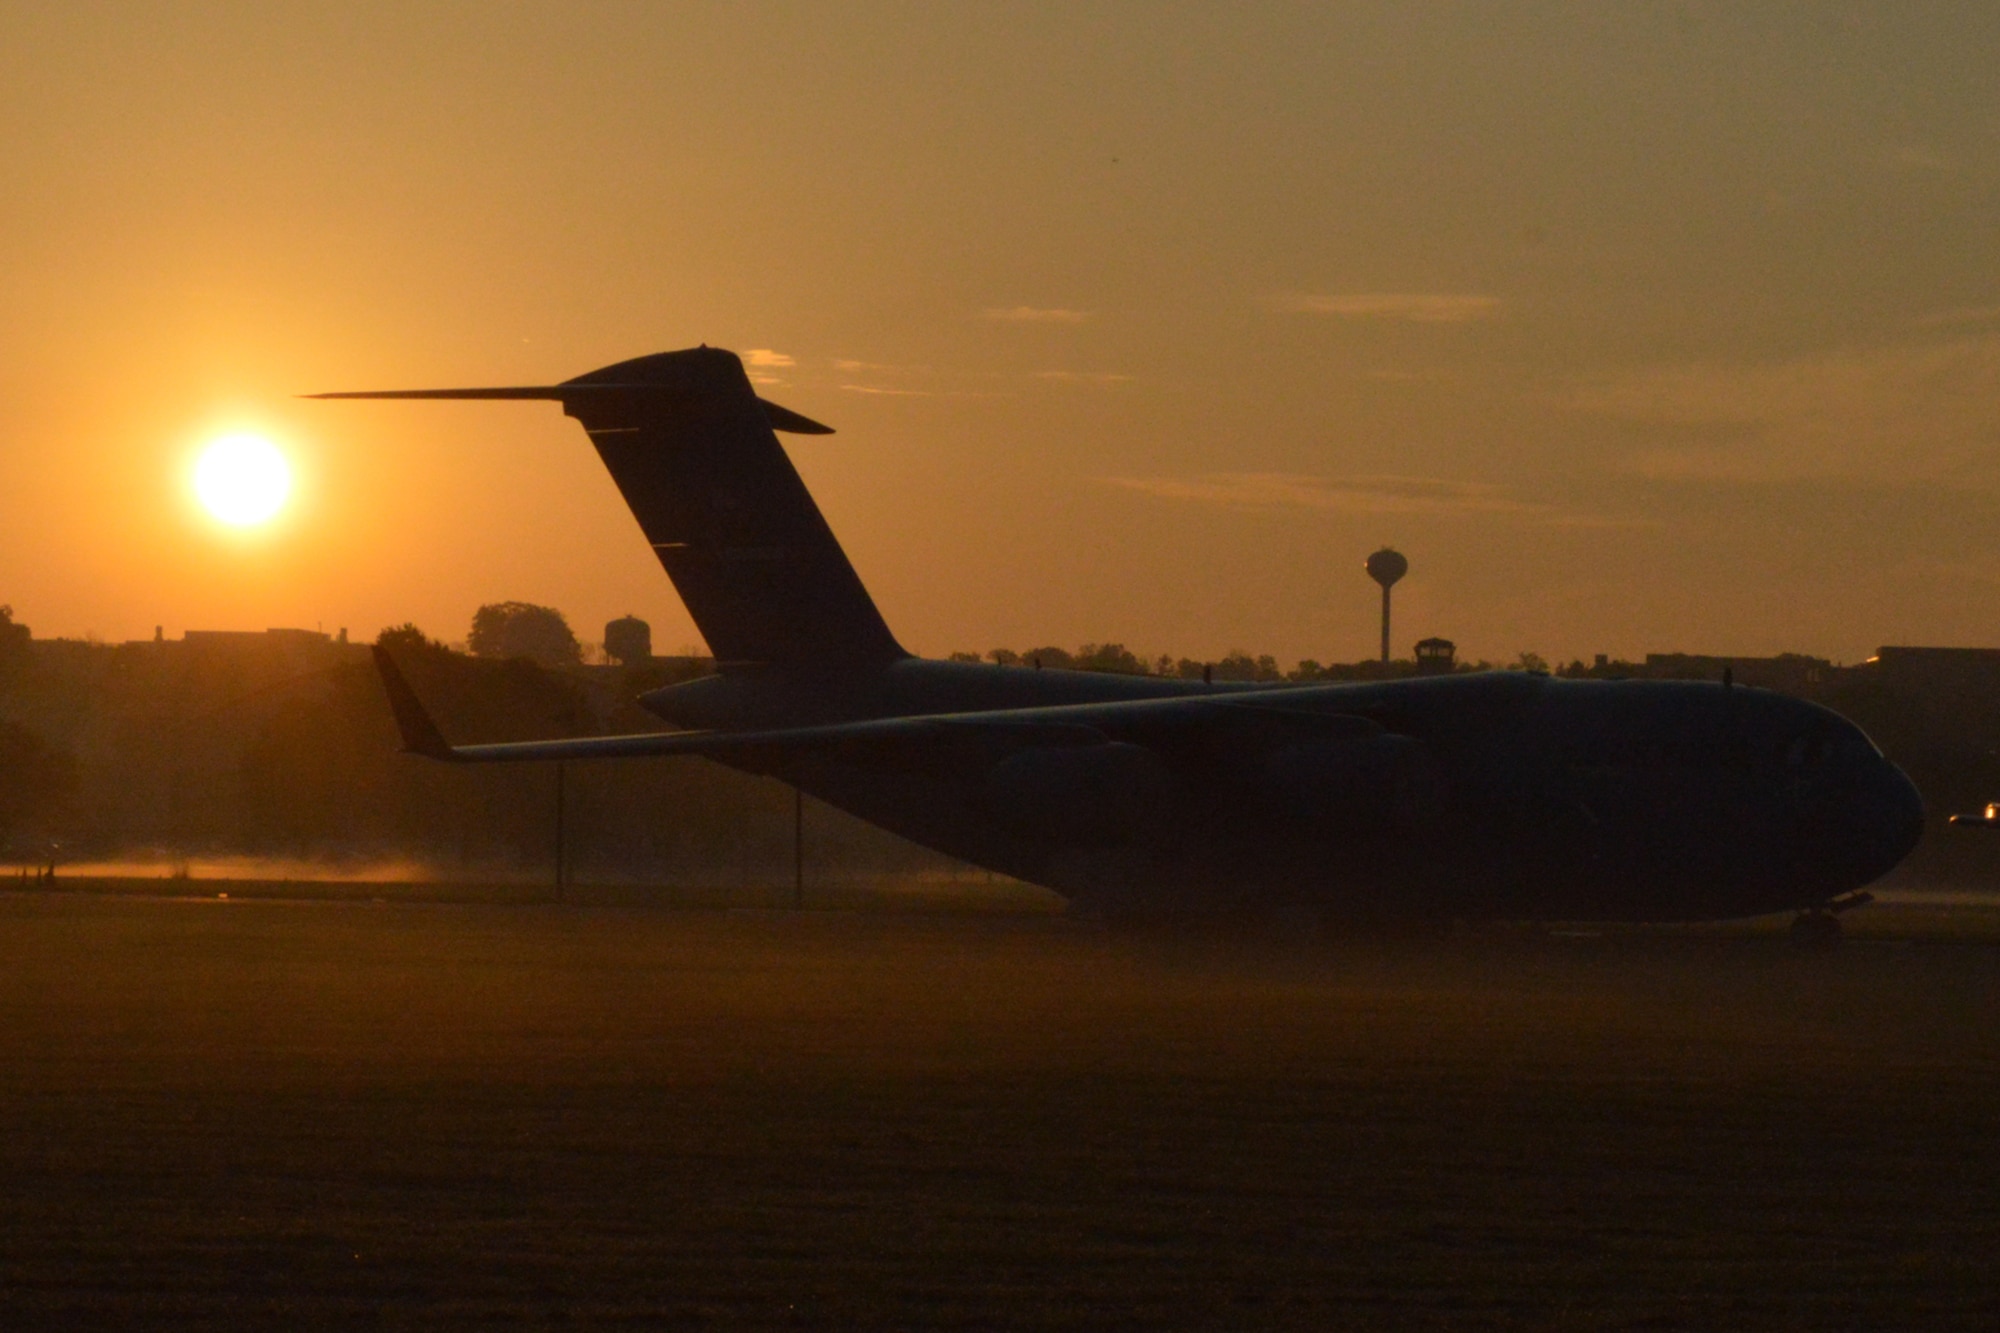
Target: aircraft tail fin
x=692 y=449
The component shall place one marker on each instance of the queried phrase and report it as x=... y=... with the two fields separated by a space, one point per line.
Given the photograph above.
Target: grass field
x=409 y=1115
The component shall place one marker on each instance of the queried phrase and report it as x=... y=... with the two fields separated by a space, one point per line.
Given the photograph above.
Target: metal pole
x=798 y=849
x=1385 y=622
x=560 y=849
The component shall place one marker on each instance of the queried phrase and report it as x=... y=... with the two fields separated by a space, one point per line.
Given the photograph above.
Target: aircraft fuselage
x=1489 y=795
x=1495 y=794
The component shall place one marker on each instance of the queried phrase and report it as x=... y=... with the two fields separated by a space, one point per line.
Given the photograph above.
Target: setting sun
x=242 y=479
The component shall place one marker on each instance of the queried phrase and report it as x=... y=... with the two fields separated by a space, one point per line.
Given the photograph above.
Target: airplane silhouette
x=1481 y=795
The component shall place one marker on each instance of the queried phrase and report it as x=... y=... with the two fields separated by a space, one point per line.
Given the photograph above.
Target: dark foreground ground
x=424 y=1116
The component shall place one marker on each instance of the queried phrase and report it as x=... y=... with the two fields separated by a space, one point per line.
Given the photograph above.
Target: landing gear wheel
x=1816 y=930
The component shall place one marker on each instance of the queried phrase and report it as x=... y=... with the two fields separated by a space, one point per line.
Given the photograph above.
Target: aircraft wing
x=421 y=735
x=1070 y=725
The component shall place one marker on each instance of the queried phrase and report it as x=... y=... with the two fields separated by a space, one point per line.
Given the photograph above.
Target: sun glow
x=242 y=479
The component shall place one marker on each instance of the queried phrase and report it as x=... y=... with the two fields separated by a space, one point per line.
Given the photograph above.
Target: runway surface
x=323 y=1114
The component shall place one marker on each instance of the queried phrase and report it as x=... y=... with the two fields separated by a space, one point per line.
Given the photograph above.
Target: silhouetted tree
x=1239 y=665
x=1112 y=657
x=406 y=641
x=962 y=657
x=522 y=629
x=35 y=779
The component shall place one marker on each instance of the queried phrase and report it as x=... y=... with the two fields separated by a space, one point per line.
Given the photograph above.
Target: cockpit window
x=1814 y=748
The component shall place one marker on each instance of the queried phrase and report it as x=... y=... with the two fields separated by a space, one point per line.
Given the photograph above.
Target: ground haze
x=432 y=1115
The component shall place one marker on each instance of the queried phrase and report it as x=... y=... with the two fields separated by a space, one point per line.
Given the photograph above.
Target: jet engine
x=1089 y=795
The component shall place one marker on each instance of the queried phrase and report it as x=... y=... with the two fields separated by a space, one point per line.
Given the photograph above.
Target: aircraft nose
x=1909 y=813
x=1887 y=819
x=1866 y=820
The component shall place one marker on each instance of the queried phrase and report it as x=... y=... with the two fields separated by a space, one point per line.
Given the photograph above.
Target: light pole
x=561 y=792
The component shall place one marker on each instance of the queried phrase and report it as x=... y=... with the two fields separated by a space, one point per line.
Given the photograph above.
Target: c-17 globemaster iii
x=1497 y=795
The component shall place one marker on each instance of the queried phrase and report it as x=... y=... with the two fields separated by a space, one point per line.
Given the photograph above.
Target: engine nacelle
x=1087 y=795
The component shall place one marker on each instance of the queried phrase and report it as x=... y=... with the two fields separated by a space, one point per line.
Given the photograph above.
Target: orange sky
x=1635 y=327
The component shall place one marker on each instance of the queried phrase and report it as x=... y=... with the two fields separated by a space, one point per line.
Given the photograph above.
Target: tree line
x=174 y=749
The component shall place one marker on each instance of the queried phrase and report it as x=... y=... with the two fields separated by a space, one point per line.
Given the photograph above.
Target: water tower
x=629 y=640
x=1385 y=567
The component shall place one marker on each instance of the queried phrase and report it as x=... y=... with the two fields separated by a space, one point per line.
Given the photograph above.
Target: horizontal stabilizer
x=784 y=419
x=781 y=418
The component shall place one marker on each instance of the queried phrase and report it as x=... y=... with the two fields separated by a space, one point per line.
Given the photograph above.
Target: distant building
x=1787 y=673
x=1936 y=666
x=1962 y=684
x=243 y=638
x=303 y=646
x=307 y=648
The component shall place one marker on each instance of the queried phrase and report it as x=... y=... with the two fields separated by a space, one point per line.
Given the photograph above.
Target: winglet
x=420 y=734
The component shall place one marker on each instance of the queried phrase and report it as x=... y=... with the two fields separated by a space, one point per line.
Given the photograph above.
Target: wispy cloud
x=1028 y=314
x=1354 y=495
x=1902 y=413
x=1919 y=157
x=856 y=367
x=1082 y=377
x=758 y=362
x=1413 y=307
x=1368 y=495
x=887 y=393
x=1963 y=315
x=1598 y=522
